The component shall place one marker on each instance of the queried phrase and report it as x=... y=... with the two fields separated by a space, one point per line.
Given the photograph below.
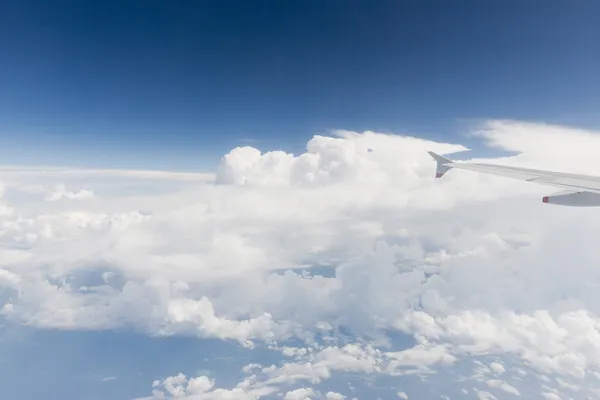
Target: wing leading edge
x=580 y=190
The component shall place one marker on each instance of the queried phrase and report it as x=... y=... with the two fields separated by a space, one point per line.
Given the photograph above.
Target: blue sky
x=346 y=268
x=175 y=85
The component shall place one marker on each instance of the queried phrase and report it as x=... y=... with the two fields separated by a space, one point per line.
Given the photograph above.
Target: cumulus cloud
x=201 y=388
x=353 y=235
x=312 y=367
x=369 y=158
x=299 y=394
x=497 y=368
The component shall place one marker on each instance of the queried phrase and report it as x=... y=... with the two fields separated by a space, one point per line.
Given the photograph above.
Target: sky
x=234 y=201
x=175 y=85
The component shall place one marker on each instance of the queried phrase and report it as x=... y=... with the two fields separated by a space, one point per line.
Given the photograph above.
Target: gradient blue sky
x=176 y=84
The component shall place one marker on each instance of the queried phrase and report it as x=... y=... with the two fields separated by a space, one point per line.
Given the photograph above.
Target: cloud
x=299 y=394
x=496 y=383
x=60 y=192
x=483 y=395
x=540 y=141
x=298 y=379
x=63 y=172
x=200 y=315
x=352 y=237
x=497 y=368
x=369 y=159
x=334 y=396
x=550 y=396
x=202 y=387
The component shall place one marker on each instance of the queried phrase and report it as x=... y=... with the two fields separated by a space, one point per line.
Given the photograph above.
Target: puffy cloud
x=202 y=388
x=369 y=159
x=289 y=379
x=317 y=366
x=299 y=394
x=354 y=235
x=497 y=368
x=200 y=315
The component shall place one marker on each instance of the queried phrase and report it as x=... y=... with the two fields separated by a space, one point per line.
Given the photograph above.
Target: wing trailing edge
x=580 y=190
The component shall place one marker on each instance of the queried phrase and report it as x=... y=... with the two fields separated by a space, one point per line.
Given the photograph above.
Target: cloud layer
x=352 y=238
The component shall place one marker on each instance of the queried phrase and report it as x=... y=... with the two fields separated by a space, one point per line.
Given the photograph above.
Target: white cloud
x=200 y=315
x=551 y=396
x=538 y=142
x=202 y=388
x=567 y=385
x=318 y=366
x=54 y=172
x=420 y=356
x=334 y=396
x=497 y=368
x=402 y=395
x=60 y=192
x=483 y=395
x=299 y=394
x=496 y=383
x=468 y=265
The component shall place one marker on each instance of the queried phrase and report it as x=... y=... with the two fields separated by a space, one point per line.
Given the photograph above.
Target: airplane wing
x=579 y=190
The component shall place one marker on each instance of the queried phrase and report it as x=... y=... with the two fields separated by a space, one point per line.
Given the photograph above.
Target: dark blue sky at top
x=176 y=84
